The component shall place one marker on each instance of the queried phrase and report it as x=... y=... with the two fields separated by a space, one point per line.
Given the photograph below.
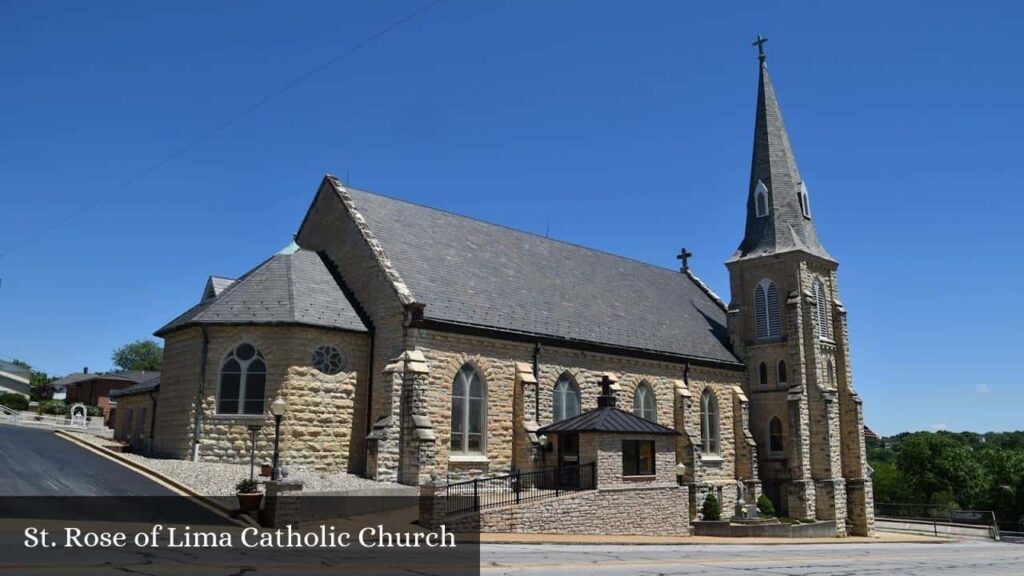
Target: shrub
x=55 y=407
x=14 y=401
x=712 y=510
x=764 y=506
x=247 y=486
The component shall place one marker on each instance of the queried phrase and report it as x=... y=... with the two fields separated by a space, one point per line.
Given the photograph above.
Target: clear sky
x=622 y=126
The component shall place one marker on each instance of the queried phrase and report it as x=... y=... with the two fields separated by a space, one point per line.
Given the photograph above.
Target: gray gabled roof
x=77 y=378
x=607 y=419
x=215 y=286
x=292 y=288
x=785 y=228
x=478 y=274
x=143 y=387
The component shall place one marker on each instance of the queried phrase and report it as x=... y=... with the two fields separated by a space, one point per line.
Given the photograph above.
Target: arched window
x=766 y=309
x=805 y=203
x=468 y=412
x=776 y=440
x=761 y=199
x=243 y=381
x=783 y=375
x=831 y=374
x=643 y=402
x=821 y=305
x=565 y=402
x=762 y=374
x=709 y=422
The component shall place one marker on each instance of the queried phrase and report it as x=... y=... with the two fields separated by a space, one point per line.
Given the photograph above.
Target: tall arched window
x=762 y=374
x=831 y=374
x=243 y=381
x=709 y=422
x=776 y=440
x=468 y=412
x=766 y=309
x=565 y=402
x=821 y=305
x=643 y=402
x=783 y=374
x=761 y=199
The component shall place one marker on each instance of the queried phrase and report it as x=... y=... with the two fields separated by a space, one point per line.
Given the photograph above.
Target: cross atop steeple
x=684 y=257
x=759 y=42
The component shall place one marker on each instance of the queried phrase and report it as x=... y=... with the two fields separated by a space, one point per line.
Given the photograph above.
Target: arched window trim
x=762 y=374
x=645 y=403
x=459 y=441
x=821 y=309
x=782 y=374
x=776 y=437
x=761 y=205
x=244 y=398
x=565 y=395
x=709 y=423
x=766 y=309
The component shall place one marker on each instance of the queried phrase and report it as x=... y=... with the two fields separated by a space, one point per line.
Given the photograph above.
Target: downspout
x=536 y=387
x=198 y=424
x=152 y=418
x=369 y=388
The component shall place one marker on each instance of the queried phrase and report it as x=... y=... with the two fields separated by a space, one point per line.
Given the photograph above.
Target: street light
x=277 y=409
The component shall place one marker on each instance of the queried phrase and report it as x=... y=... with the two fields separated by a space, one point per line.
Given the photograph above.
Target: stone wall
x=324 y=425
x=649 y=510
x=498 y=361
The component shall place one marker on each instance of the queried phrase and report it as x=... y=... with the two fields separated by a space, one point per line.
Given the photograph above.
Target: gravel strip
x=217 y=479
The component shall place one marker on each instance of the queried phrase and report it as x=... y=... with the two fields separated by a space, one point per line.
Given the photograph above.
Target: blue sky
x=622 y=126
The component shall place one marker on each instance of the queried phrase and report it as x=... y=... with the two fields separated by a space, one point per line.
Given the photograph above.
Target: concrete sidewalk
x=881 y=538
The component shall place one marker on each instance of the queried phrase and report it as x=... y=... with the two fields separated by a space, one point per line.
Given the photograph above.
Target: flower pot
x=266 y=470
x=249 y=502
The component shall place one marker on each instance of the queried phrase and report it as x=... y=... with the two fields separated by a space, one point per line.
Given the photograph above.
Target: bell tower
x=788 y=325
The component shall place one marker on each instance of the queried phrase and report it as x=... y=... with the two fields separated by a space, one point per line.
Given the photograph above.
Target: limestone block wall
x=649 y=510
x=324 y=425
x=497 y=361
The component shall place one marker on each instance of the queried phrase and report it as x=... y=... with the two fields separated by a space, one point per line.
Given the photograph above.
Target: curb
x=241 y=520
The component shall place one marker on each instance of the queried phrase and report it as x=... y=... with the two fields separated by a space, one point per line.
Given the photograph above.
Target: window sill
x=471 y=459
x=712 y=460
x=640 y=478
x=248 y=417
x=775 y=457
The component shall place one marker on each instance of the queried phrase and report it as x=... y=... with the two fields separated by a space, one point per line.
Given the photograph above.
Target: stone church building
x=417 y=345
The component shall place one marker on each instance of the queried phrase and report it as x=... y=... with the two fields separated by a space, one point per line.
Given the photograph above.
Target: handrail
x=494 y=491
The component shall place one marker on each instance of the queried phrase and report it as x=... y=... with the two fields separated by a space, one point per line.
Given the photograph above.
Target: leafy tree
x=139 y=355
x=934 y=463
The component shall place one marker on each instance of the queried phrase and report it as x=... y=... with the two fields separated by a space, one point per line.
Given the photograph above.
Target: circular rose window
x=328 y=360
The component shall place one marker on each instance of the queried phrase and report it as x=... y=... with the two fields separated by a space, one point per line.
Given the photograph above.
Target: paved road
x=968 y=558
x=36 y=462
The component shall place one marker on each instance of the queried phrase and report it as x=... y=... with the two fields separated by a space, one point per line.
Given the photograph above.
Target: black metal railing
x=517 y=487
x=937 y=514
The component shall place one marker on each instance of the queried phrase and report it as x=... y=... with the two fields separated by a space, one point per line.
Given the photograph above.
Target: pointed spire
x=778 y=209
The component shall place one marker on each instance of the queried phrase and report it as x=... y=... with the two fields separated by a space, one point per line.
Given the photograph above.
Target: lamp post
x=277 y=409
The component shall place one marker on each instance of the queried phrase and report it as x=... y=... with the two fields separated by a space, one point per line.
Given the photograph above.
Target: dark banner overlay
x=177 y=535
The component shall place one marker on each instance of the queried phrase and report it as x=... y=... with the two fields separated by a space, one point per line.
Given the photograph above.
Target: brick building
x=413 y=343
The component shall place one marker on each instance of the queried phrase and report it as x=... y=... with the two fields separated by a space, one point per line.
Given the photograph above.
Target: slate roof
x=80 y=377
x=478 y=274
x=143 y=387
x=292 y=288
x=607 y=419
x=785 y=228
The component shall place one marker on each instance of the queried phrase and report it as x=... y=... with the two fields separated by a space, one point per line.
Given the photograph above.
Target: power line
x=225 y=125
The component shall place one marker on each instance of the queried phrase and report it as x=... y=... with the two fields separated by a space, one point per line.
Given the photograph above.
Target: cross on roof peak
x=684 y=257
x=759 y=42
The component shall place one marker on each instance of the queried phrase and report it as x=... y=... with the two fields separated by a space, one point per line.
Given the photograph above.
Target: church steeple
x=778 y=209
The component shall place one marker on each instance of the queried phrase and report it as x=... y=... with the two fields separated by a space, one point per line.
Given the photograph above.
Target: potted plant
x=249 y=496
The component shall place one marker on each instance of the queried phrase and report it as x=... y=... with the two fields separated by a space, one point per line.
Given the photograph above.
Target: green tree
x=712 y=510
x=937 y=463
x=139 y=355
